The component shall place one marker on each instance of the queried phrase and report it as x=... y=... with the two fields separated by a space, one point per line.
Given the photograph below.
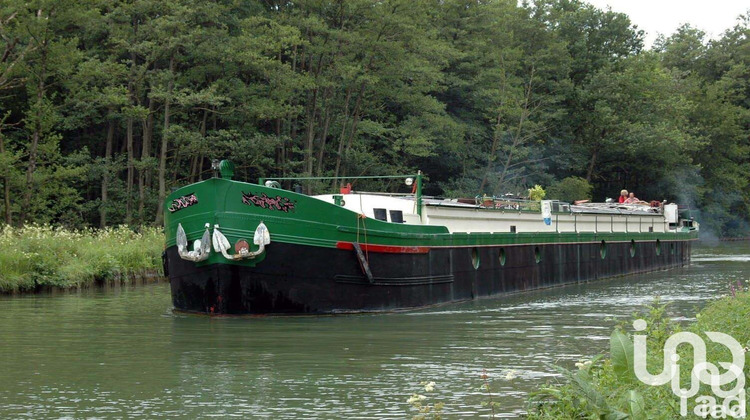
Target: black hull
x=296 y=279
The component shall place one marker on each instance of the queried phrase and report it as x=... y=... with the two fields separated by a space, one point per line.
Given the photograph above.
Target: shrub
x=42 y=255
x=537 y=193
x=606 y=387
x=571 y=189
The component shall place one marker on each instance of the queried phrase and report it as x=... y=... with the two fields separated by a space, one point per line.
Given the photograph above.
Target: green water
x=123 y=353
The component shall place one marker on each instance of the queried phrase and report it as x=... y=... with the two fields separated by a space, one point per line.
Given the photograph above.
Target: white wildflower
x=429 y=387
x=416 y=398
x=583 y=364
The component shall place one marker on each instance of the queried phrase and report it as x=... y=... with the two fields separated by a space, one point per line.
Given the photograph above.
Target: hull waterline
x=300 y=279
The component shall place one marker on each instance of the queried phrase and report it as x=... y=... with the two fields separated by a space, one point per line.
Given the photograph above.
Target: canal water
x=123 y=353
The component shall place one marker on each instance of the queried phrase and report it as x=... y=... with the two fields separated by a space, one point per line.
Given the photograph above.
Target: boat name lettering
x=265 y=202
x=183 y=202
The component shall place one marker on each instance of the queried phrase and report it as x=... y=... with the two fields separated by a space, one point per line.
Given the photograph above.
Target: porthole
x=603 y=250
x=501 y=257
x=632 y=248
x=475 y=258
x=537 y=254
x=658 y=247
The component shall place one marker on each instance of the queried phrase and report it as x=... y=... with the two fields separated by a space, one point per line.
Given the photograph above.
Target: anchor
x=201 y=247
x=261 y=238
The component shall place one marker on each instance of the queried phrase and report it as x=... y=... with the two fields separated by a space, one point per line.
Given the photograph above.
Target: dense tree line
x=106 y=105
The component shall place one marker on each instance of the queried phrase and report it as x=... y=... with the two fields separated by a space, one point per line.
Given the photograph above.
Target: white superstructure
x=509 y=215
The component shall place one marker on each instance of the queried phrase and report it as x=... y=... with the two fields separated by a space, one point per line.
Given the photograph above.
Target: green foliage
x=635 y=405
x=608 y=388
x=570 y=189
x=488 y=97
x=537 y=193
x=621 y=352
x=40 y=255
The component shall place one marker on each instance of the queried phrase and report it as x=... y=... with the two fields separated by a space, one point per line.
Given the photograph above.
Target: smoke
x=708 y=237
x=684 y=184
x=720 y=212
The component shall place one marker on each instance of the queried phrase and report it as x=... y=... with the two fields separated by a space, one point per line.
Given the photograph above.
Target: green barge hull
x=323 y=258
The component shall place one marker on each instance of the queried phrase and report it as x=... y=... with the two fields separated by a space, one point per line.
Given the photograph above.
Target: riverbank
x=37 y=258
x=607 y=386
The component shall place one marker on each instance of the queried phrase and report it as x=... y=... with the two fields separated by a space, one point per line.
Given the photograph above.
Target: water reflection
x=122 y=352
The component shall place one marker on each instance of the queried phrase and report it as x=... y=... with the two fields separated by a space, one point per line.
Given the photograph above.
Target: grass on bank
x=44 y=256
x=606 y=387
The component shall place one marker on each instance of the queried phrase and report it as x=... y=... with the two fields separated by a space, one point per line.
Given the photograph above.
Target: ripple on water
x=123 y=353
x=720 y=258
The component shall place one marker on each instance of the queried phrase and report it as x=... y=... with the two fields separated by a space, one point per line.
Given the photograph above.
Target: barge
x=235 y=248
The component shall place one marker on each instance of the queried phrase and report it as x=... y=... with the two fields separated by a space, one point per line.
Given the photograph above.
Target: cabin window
x=658 y=247
x=632 y=248
x=512 y=229
x=501 y=257
x=397 y=216
x=380 y=214
x=603 y=250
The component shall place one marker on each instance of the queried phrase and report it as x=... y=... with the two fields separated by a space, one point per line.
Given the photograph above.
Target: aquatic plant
x=486 y=388
x=425 y=409
x=37 y=256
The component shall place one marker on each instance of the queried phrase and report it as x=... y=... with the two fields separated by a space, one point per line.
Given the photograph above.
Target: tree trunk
x=594 y=156
x=35 y=137
x=143 y=174
x=164 y=144
x=149 y=181
x=491 y=157
x=355 y=122
x=105 y=177
x=311 y=113
x=517 y=137
x=193 y=169
x=311 y=118
x=592 y=165
x=31 y=166
x=323 y=137
x=175 y=163
x=129 y=134
x=6 y=186
x=342 y=137
x=514 y=145
x=496 y=135
x=197 y=163
x=131 y=172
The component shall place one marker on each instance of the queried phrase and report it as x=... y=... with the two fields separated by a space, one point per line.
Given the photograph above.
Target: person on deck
x=631 y=199
x=623 y=196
